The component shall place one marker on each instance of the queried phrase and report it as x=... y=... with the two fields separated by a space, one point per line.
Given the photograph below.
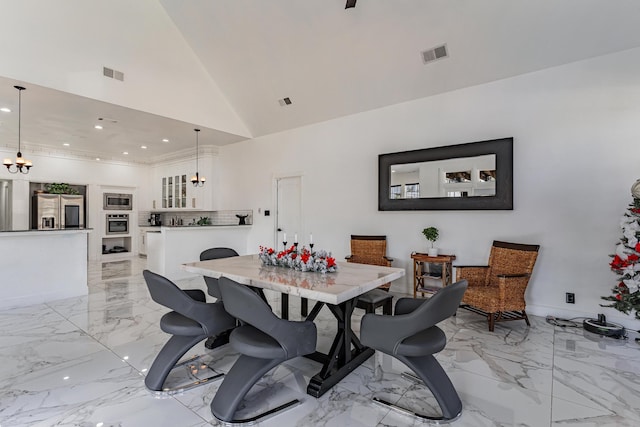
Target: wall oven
x=117 y=224
x=117 y=201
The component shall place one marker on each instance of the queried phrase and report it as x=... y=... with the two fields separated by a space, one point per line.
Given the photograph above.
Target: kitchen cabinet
x=142 y=242
x=174 y=191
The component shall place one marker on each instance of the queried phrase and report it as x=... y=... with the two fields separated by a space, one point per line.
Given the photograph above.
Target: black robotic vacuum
x=600 y=326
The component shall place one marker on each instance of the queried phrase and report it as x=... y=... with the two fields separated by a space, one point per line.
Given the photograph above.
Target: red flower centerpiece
x=302 y=260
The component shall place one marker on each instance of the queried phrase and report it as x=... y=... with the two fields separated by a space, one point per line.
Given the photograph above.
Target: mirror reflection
x=459 y=177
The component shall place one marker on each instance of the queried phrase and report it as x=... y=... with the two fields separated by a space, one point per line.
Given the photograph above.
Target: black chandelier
x=197 y=180
x=22 y=165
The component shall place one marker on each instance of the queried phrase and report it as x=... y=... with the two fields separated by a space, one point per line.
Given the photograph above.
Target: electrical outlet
x=570 y=298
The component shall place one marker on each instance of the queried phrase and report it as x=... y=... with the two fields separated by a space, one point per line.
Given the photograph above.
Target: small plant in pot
x=431 y=234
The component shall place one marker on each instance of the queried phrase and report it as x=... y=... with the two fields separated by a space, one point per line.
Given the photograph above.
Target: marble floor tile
x=486 y=402
x=81 y=362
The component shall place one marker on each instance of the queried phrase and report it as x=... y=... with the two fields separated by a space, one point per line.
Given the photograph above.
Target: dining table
x=338 y=291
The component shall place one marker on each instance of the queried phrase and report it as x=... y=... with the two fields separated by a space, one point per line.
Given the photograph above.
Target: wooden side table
x=419 y=275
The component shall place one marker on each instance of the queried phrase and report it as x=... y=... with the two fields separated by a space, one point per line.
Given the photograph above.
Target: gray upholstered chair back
x=215 y=253
x=247 y=306
x=191 y=305
x=411 y=316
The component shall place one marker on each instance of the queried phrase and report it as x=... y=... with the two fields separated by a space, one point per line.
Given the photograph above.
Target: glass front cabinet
x=174 y=191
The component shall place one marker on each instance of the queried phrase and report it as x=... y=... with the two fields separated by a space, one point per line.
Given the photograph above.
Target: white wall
x=576 y=133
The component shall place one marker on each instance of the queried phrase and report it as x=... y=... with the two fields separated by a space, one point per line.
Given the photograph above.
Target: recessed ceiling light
x=5 y=110
x=98 y=127
x=66 y=144
x=98 y=159
x=144 y=147
x=165 y=140
x=125 y=152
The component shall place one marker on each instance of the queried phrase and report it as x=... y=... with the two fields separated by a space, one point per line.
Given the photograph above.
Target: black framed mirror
x=471 y=176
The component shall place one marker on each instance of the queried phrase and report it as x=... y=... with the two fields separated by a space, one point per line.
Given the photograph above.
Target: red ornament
x=619 y=297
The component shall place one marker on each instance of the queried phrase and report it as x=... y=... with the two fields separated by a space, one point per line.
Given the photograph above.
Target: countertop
x=161 y=227
x=56 y=231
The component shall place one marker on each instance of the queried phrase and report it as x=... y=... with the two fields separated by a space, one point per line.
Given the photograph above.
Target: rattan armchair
x=372 y=250
x=497 y=290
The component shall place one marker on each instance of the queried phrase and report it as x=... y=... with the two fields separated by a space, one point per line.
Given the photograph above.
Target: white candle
x=284 y=238
x=310 y=238
x=295 y=238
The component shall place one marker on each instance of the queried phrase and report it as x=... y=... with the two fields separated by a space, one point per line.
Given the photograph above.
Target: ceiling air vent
x=284 y=102
x=113 y=74
x=435 y=54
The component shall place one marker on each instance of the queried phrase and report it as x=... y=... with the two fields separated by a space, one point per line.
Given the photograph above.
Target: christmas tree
x=626 y=261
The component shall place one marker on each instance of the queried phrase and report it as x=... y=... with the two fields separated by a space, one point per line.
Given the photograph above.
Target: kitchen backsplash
x=227 y=217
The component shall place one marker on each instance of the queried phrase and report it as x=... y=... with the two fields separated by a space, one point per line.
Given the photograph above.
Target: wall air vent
x=435 y=54
x=284 y=102
x=113 y=74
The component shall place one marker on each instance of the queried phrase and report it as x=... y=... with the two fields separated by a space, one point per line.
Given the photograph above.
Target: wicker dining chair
x=372 y=250
x=497 y=290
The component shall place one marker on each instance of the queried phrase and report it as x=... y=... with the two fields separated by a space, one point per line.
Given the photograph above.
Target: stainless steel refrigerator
x=57 y=211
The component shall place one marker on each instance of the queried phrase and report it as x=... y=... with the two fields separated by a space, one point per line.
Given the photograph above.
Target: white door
x=289 y=211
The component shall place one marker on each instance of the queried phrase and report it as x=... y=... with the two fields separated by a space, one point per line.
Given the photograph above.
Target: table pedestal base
x=342 y=359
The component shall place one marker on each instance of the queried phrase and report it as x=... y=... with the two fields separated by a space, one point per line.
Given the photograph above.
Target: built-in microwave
x=117 y=224
x=115 y=201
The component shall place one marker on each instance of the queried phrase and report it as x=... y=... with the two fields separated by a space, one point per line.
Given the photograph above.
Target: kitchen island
x=170 y=247
x=42 y=265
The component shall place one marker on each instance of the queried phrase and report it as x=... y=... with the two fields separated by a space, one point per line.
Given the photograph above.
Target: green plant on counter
x=204 y=221
x=60 y=188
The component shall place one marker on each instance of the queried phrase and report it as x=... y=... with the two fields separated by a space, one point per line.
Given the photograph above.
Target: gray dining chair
x=191 y=321
x=264 y=341
x=411 y=336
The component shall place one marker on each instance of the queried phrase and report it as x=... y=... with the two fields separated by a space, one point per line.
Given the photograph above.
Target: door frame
x=276 y=178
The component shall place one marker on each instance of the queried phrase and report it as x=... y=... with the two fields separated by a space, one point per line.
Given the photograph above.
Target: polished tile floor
x=81 y=362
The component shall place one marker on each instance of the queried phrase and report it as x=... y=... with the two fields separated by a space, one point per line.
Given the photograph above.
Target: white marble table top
x=349 y=281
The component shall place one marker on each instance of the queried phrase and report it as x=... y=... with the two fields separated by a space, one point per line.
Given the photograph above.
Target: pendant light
x=22 y=165
x=197 y=180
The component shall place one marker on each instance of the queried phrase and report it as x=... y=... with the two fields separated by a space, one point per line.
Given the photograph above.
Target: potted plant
x=60 y=188
x=431 y=234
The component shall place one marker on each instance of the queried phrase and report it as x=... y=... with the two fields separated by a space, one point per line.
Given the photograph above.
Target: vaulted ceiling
x=332 y=62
